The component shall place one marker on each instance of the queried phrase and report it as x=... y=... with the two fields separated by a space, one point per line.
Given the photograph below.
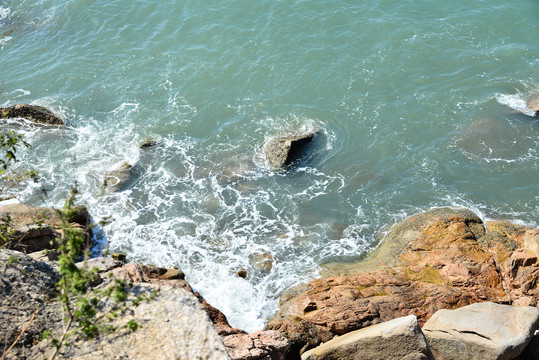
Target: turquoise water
x=416 y=101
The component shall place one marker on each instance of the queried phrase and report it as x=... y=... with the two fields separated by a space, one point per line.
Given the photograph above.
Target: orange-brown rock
x=440 y=259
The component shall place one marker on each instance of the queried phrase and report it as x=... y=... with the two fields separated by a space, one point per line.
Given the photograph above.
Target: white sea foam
x=516 y=102
x=4 y=12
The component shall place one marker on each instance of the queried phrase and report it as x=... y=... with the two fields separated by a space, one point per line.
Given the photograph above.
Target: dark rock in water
x=148 y=143
x=118 y=180
x=34 y=113
x=242 y=273
x=282 y=151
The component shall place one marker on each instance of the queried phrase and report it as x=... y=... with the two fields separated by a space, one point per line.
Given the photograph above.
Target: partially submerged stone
x=34 y=113
x=533 y=103
x=396 y=339
x=482 y=331
x=119 y=179
x=283 y=150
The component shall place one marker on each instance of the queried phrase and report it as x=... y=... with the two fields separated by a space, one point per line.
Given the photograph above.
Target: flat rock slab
x=397 y=339
x=283 y=150
x=481 y=331
x=34 y=113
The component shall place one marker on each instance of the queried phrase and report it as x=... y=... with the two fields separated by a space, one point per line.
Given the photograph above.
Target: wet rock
x=533 y=103
x=25 y=286
x=396 y=339
x=147 y=144
x=242 y=273
x=428 y=262
x=34 y=113
x=119 y=179
x=262 y=261
x=29 y=229
x=282 y=151
x=481 y=331
x=174 y=325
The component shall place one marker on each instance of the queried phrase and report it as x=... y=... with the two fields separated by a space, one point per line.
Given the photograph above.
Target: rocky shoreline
x=442 y=285
x=428 y=265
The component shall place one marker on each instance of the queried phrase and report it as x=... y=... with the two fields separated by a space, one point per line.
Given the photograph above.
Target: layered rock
x=440 y=259
x=34 y=113
x=396 y=339
x=483 y=331
x=283 y=150
x=30 y=229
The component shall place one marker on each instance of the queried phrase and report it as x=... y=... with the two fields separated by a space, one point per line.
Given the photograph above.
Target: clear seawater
x=418 y=102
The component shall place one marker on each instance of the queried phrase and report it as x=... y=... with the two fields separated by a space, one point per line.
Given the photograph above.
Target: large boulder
x=173 y=325
x=440 y=259
x=483 y=331
x=34 y=113
x=396 y=339
x=25 y=287
x=239 y=344
x=281 y=151
x=30 y=228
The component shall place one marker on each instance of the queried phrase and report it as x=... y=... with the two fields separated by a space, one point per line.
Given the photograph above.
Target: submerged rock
x=34 y=113
x=440 y=259
x=483 y=331
x=282 y=151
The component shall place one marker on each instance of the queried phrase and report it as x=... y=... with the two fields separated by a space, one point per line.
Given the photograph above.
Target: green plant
x=81 y=305
x=8 y=146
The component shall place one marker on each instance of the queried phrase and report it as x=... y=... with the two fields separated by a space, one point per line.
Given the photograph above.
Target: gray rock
x=119 y=179
x=174 y=325
x=282 y=151
x=481 y=331
x=34 y=113
x=102 y=264
x=397 y=339
x=25 y=286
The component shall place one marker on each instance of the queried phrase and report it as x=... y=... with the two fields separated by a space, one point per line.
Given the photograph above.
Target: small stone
x=148 y=143
x=242 y=273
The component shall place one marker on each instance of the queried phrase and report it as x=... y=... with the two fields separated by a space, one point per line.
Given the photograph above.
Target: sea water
x=420 y=104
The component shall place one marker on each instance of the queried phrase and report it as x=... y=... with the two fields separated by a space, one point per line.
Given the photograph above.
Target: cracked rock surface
x=481 y=331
